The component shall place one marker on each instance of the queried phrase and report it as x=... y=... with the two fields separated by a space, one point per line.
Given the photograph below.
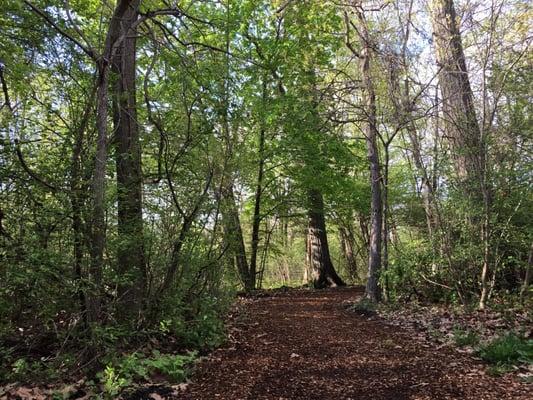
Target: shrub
x=135 y=367
x=364 y=307
x=508 y=350
x=465 y=337
x=173 y=366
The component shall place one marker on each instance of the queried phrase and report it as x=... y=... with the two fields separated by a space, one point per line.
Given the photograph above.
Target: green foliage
x=108 y=336
x=28 y=369
x=112 y=382
x=20 y=367
x=285 y=264
x=136 y=367
x=195 y=322
x=463 y=337
x=210 y=82
x=409 y=268
x=508 y=350
x=499 y=369
x=206 y=330
x=174 y=367
x=364 y=307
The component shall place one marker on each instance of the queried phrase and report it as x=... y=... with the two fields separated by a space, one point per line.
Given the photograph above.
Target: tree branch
x=4 y=89
x=60 y=30
x=29 y=171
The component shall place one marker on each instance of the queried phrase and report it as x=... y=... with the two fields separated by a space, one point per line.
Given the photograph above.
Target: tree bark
x=373 y=291
x=347 y=240
x=258 y=192
x=527 y=276
x=234 y=236
x=77 y=203
x=98 y=225
x=464 y=134
x=321 y=271
x=257 y=210
x=458 y=101
x=131 y=259
x=98 y=228
x=230 y=212
x=385 y=221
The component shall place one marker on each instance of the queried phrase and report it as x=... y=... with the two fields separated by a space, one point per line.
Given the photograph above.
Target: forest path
x=304 y=344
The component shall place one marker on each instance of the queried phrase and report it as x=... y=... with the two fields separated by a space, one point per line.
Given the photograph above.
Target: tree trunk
x=98 y=225
x=373 y=291
x=527 y=276
x=77 y=202
x=427 y=187
x=98 y=230
x=234 y=236
x=464 y=134
x=403 y=110
x=348 y=250
x=385 y=221
x=257 y=212
x=458 y=101
x=230 y=212
x=321 y=271
x=131 y=260
x=258 y=192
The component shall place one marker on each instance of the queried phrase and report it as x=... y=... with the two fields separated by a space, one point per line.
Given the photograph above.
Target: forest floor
x=289 y=344
x=303 y=344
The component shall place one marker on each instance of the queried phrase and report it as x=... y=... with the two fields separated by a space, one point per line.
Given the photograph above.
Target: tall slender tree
x=365 y=56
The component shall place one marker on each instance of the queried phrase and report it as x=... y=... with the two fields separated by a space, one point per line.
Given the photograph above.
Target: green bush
x=135 y=367
x=508 y=350
x=173 y=366
x=112 y=381
x=407 y=266
x=499 y=369
x=465 y=337
x=364 y=307
x=196 y=323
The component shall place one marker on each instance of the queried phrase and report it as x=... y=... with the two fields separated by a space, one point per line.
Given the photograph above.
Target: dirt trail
x=303 y=344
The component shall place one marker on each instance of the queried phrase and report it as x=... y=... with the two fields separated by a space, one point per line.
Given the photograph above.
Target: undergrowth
x=506 y=351
x=364 y=307
x=464 y=338
x=133 y=368
x=114 y=355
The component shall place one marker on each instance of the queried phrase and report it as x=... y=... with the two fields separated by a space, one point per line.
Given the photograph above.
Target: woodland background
x=156 y=157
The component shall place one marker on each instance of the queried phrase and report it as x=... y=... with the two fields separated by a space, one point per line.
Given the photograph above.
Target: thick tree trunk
x=98 y=225
x=464 y=134
x=131 y=260
x=458 y=101
x=98 y=231
x=230 y=213
x=234 y=237
x=321 y=272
